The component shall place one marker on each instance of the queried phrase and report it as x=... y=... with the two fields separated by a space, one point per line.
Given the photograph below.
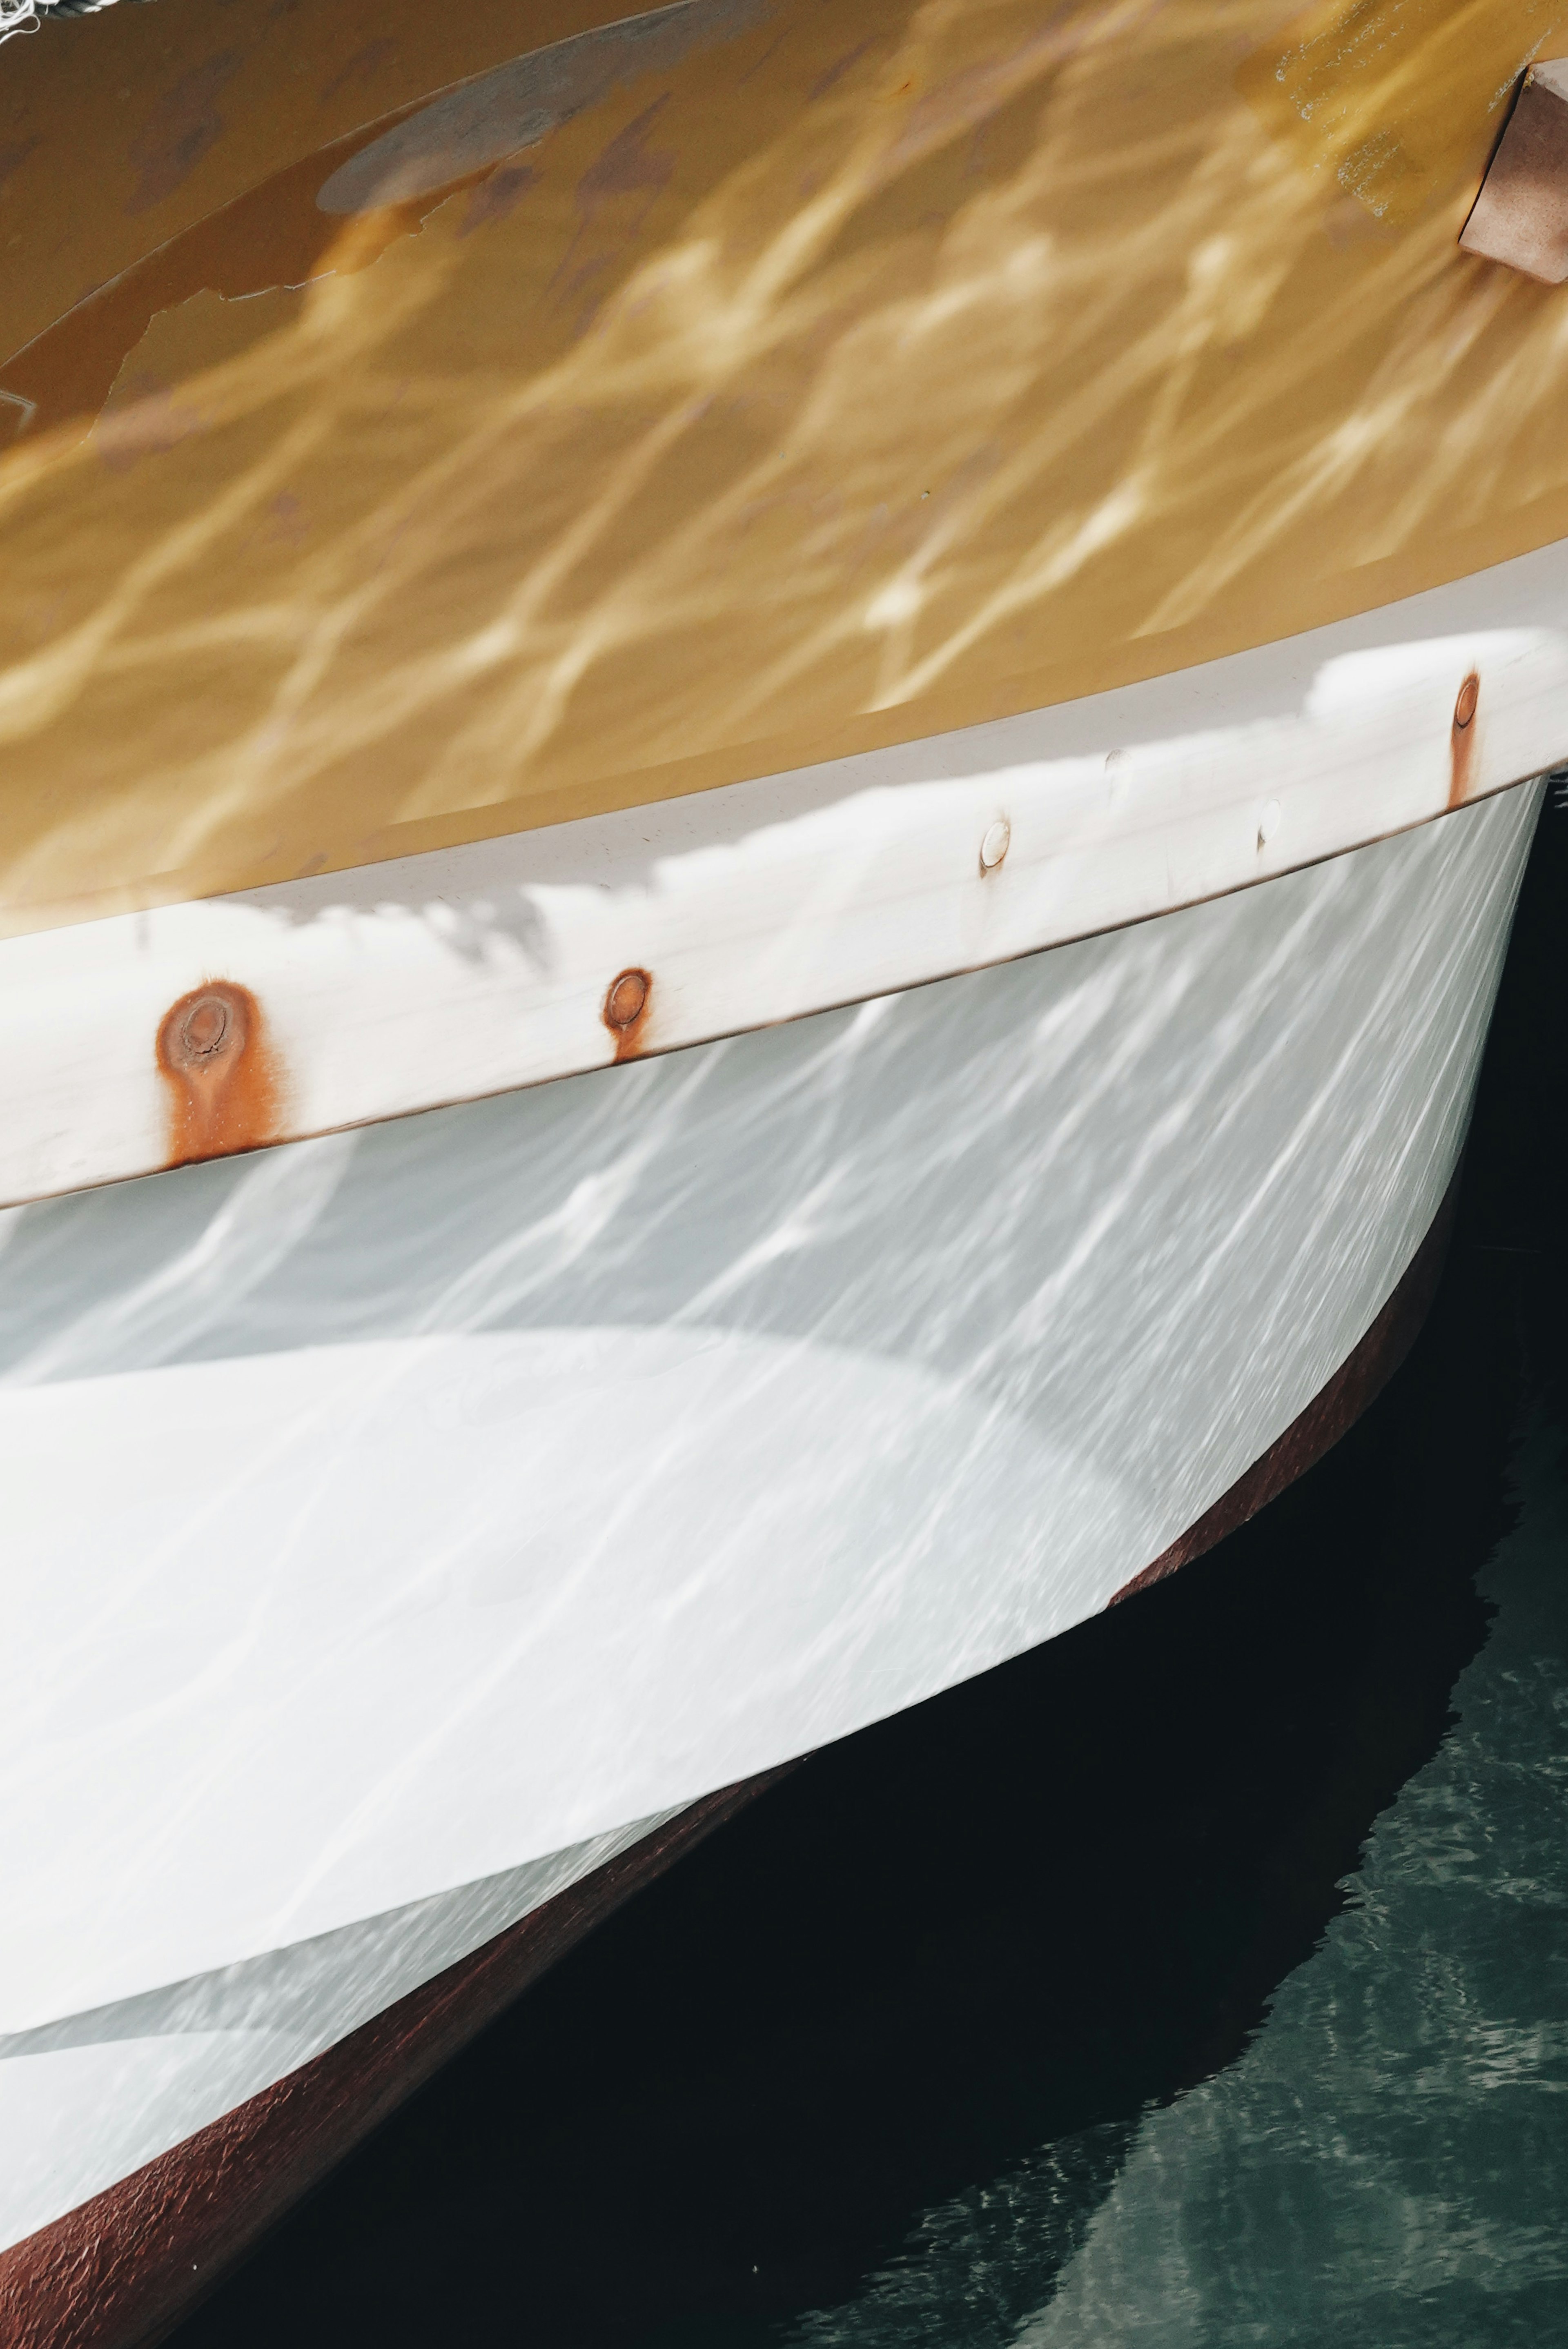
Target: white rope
x=26 y=16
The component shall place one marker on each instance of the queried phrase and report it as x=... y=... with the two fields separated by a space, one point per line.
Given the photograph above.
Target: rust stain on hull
x=221 y=1078
x=626 y=1006
x=1462 y=737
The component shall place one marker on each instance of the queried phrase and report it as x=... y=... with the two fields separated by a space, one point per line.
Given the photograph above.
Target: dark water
x=1203 y=1977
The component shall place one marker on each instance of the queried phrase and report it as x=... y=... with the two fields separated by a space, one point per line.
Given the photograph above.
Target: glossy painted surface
x=391 y=1511
x=809 y=387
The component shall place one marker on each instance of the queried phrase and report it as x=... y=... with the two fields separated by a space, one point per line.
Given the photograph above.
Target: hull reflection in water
x=404 y=1522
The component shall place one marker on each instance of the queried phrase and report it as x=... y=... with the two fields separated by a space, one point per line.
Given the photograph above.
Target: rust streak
x=220 y=1074
x=626 y=1009
x=1462 y=738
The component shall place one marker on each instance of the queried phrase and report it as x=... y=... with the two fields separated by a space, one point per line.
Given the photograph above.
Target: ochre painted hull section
x=811 y=386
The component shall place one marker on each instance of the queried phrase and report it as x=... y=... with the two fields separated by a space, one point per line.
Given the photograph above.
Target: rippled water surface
x=1201 y=1977
x=1387 y=2158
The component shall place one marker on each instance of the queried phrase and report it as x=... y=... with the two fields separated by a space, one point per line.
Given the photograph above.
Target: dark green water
x=1200 y=1978
x=1387 y=2158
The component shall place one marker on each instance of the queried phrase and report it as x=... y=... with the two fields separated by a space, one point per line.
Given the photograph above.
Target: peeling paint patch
x=500 y=113
x=1463 y=736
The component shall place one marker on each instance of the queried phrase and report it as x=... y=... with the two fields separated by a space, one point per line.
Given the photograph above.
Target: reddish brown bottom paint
x=1357 y=1382
x=123 y=2269
x=120 y=2272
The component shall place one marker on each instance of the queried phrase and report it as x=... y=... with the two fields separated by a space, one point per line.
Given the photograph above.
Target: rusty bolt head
x=204 y=1028
x=206 y=1031
x=628 y=998
x=1465 y=707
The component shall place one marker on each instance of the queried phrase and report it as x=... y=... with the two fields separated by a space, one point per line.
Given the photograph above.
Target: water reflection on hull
x=758 y=1393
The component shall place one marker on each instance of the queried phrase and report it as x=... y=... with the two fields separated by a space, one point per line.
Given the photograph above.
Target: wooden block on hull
x=1521 y=216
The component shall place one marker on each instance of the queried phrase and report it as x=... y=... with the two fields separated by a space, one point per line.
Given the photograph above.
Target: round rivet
x=995 y=845
x=624 y=1003
x=1268 y=822
x=204 y=1027
x=1465 y=707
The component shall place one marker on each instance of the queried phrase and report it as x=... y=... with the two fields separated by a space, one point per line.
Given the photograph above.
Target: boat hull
x=117 y=2272
x=852 y=1356
x=762 y=792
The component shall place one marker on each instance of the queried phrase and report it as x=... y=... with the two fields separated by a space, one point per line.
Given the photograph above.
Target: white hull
x=402 y=1521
